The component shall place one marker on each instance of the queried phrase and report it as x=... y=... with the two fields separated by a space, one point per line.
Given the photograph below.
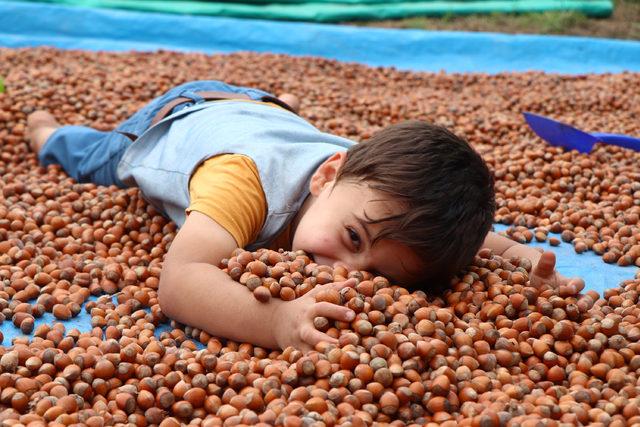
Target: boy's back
x=285 y=149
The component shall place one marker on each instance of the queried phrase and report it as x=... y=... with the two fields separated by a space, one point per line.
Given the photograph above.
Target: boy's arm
x=507 y=248
x=194 y=291
x=543 y=263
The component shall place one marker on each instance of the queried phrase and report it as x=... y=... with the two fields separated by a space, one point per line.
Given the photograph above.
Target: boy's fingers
x=312 y=336
x=335 y=285
x=546 y=264
x=333 y=311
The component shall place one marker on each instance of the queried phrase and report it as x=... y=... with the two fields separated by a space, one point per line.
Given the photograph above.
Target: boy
x=235 y=166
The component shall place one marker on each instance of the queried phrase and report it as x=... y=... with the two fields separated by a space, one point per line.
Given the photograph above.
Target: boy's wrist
x=275 y=320
x=523 y=251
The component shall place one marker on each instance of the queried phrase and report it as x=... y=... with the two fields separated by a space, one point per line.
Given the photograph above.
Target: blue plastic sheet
x=81 y=322
x=345 y=10
x=27 y=24
x=597 y=274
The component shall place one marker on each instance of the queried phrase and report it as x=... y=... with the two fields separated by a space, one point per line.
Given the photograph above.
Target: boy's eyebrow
x=365 y=225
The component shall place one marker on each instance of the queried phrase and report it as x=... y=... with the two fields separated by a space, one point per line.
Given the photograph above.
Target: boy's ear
x=326 y=172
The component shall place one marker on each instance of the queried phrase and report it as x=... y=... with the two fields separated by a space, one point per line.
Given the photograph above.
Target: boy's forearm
x=203 y=296
x=507 y=248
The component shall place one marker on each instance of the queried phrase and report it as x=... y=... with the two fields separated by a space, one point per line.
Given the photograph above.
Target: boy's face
x=332 y=227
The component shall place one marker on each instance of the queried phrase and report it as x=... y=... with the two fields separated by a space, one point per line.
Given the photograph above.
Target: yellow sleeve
x=227 y=189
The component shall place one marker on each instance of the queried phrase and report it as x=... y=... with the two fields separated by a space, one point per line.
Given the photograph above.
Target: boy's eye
x=355 y=237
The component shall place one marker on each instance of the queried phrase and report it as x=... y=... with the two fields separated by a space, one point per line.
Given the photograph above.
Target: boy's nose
x=347 y=266
x=360 y=262
x=330 y=261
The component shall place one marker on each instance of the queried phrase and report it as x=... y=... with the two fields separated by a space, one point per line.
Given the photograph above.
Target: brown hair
x=443 y=182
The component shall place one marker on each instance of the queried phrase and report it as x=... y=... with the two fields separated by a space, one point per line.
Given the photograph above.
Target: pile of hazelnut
x=491 y=351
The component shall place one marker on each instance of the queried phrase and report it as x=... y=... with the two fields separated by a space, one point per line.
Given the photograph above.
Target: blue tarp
x=27 y=24
x=81 y=322
x=597 y=274
x=345 y=10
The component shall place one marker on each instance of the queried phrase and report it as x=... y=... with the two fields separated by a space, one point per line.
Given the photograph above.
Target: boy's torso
x=284 y=147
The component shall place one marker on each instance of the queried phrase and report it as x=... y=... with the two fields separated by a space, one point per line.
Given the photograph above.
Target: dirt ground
x=623 y=24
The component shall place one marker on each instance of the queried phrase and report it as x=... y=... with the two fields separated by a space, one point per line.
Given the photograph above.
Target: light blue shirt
x=285 y=148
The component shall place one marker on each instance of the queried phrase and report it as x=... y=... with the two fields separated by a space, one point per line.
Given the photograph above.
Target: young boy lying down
x=237 y=167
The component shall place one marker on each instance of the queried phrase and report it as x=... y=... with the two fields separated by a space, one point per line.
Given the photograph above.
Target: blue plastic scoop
x=563 y=135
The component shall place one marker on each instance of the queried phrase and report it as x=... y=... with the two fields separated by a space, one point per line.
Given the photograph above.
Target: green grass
x=555 y=23
x=546 y=22
x=623 y=24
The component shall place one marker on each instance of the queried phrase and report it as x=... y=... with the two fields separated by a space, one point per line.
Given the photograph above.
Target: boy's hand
x=293 y=320
x=544 y=273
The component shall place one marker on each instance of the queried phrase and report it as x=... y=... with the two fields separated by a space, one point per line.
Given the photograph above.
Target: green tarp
x=347 y=10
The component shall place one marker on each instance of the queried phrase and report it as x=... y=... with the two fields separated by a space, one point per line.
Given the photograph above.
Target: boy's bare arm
x=543 y=263
x=194 y=291
x=507 y=248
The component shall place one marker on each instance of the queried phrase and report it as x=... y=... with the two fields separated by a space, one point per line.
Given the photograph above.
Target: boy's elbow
x=167 y=294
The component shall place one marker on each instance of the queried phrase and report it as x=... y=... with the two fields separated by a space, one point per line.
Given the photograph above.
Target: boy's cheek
x=319 y=245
